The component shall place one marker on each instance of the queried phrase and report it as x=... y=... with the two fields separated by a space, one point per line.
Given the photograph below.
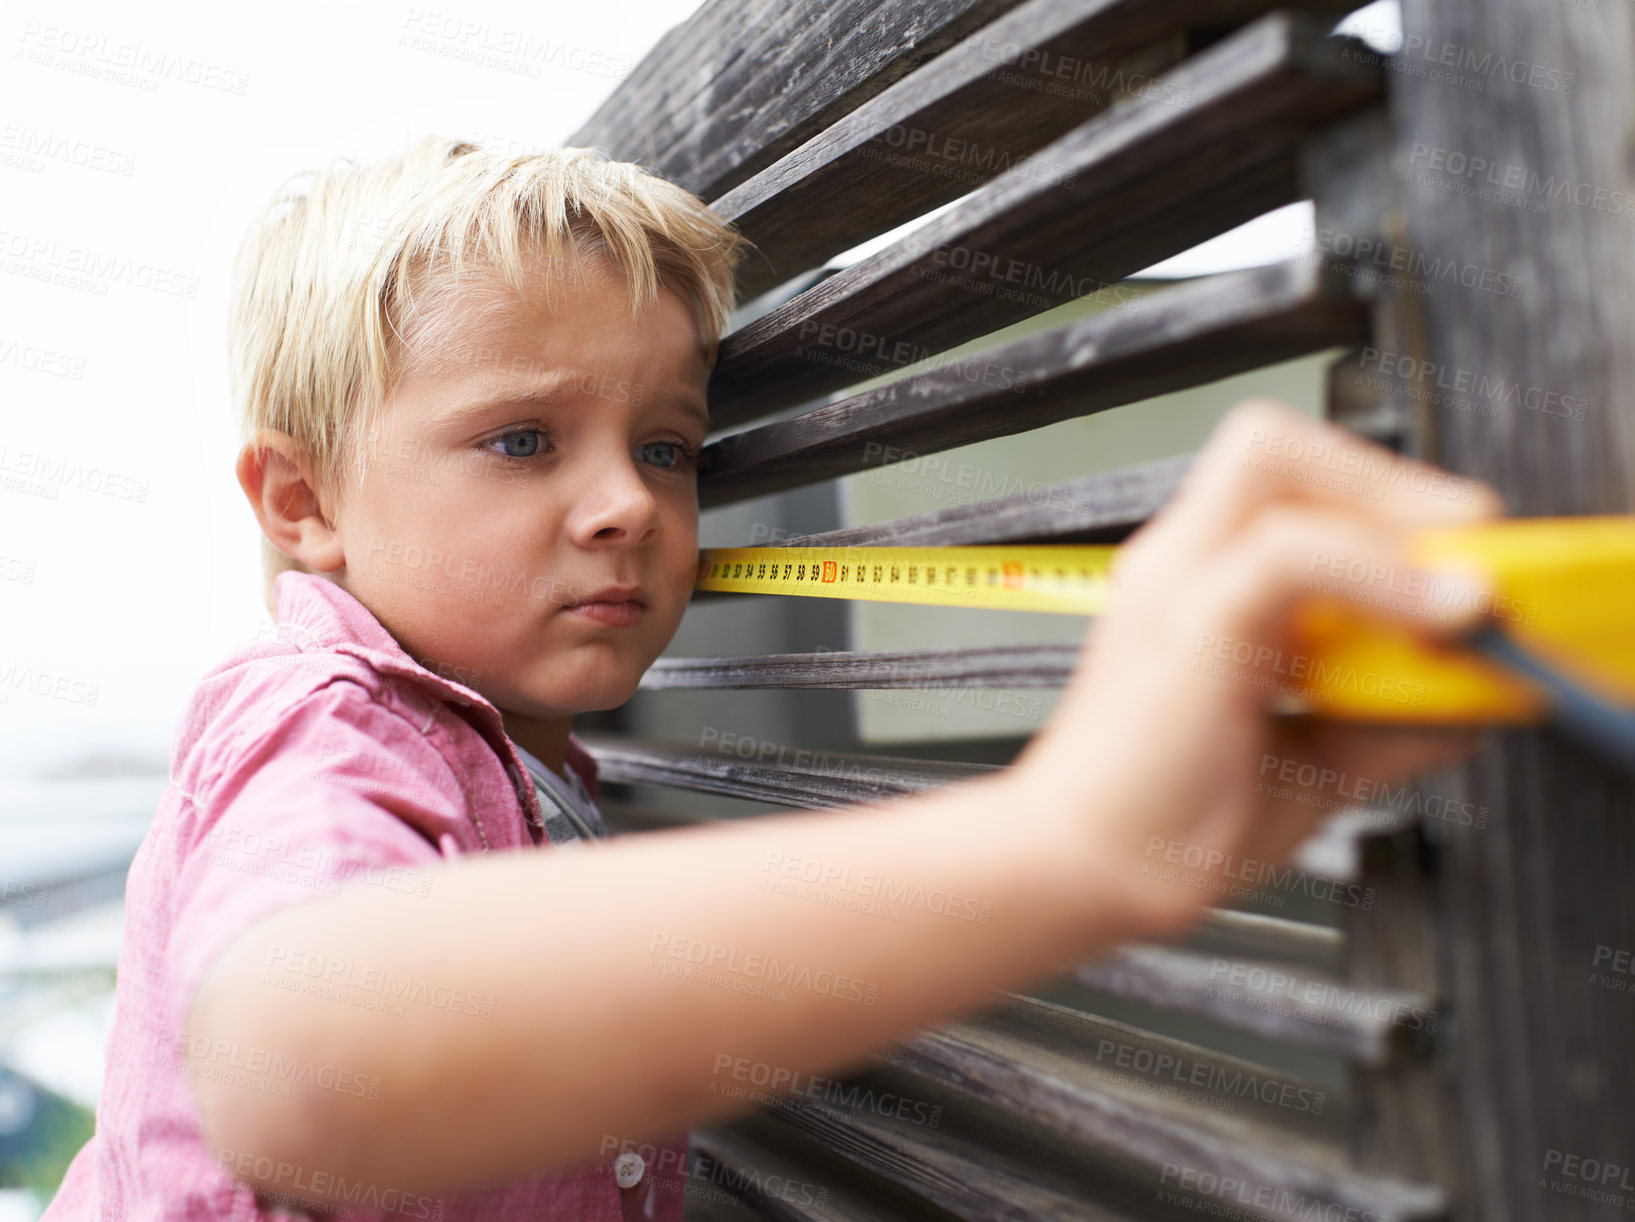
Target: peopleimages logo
x=1596 y=1177
x=300 y=1186
x=1495 y=390
x=1236 y=1083
x=1519 y=179
x=1178 y=1184
x=83 y=267
x=1333 y=999
x=1302 y=668
x=1166 y=859
x=1419 y=268
x=876 y=886
x=788 y=1084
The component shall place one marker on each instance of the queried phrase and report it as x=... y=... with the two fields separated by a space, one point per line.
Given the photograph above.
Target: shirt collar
x=320 y=612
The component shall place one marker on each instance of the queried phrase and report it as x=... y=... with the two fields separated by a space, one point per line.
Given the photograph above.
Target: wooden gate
x=1475 y=257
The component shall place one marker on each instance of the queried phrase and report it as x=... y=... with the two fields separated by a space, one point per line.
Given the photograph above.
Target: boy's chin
x=541 y=706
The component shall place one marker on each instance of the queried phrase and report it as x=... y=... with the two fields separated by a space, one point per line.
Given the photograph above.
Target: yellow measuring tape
x=1564 y=589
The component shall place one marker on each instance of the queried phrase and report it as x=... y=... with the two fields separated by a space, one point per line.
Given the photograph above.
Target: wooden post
x=1515 y=125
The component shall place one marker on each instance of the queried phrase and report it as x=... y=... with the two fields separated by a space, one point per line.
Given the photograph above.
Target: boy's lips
x=612 y=594
x=612 y=606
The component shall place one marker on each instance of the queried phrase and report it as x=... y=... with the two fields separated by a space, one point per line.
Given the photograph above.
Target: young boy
x=474 y=396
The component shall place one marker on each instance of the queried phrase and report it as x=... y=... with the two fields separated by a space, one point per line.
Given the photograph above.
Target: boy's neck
x=547 y=741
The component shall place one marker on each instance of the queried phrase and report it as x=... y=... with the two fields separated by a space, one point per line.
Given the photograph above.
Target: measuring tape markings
x=1053 y=578
x=1578 y=573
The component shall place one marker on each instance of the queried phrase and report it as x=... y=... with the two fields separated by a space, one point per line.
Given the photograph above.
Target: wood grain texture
x=1153 y=345
x=1109 y=503
x=1314 y=1011
x=948 y=127
x=757 y=1161
x=745 y=81
x=1228 y=934
x=991 y=666
x=785 y=773
x=1146 y=1102
x=1119 y=193
x=1545 y=1055
x=1401 y=1113
x=967 y=1178
x=958 y=121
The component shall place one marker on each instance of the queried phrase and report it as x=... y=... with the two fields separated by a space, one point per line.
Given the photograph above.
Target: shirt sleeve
x=342 y=790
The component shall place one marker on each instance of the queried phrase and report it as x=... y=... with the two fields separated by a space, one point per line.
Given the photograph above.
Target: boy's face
x=533 y=454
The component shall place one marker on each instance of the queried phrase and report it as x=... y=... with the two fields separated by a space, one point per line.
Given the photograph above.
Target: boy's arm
x=580 y=1031
x=581 y=1039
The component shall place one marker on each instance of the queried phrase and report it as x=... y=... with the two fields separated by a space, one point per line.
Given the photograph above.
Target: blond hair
x=345 y=266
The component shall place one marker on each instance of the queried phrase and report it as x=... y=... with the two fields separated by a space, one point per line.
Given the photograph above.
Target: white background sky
x=134 y=599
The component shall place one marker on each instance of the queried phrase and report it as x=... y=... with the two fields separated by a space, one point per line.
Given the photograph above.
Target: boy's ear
x=278 y=481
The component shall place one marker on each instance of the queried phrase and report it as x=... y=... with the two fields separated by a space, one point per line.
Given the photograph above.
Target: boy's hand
x=1157 y=747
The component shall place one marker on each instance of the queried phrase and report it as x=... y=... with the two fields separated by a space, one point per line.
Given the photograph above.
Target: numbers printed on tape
x=1573 y=577
x=1065 y=579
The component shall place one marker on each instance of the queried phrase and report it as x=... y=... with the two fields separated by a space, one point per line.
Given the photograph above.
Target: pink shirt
x=320 y=757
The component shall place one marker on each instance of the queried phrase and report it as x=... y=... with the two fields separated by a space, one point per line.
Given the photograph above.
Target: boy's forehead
x=481 y=323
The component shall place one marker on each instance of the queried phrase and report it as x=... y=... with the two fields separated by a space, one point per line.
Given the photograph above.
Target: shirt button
x=628 y=1169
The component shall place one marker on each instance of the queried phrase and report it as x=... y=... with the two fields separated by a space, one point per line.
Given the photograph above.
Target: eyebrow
x=543 y=394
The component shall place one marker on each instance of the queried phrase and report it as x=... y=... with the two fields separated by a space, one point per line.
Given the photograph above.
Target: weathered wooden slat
x=1179 y=338
x=946 y=128
x=1109 y=503
x=771 y=772
x=1314 y=1011
x=1334 y=850
x=1128 y=188
x=992 y=666
x=746 y=81
x=1148 y=1102
x=746 y=1159
x=1530 y=909
x=1052 y=1056
x=971 y=1170
x=992 y=100
x=1402 y=1117
x=1403 y=1120
x=1227 y=934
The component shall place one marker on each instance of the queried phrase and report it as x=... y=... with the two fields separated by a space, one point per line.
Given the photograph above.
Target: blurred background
x=128 y=556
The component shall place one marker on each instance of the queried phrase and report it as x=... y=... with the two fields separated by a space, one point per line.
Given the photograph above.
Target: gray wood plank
x=953 y=124
x=1228 y=934
x=754 y=1160
x=745 y=81
x=1111 y=502
x=1402 y=1115
x=1312 y=1010
x=993 y=99
x=991 y=666
x=980 y=1164
x=1128 y=188
x=1182 y=337
x=1147 y=1102
x=1544 y=1056
x=784 y=773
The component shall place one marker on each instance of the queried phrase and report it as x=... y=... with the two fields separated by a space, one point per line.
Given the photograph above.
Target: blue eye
x=520 y=443
x=683 y=454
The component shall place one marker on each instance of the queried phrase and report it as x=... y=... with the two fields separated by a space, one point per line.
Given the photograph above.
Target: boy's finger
x=1318 y=768
x=1264 y=452
x=1236 y=609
